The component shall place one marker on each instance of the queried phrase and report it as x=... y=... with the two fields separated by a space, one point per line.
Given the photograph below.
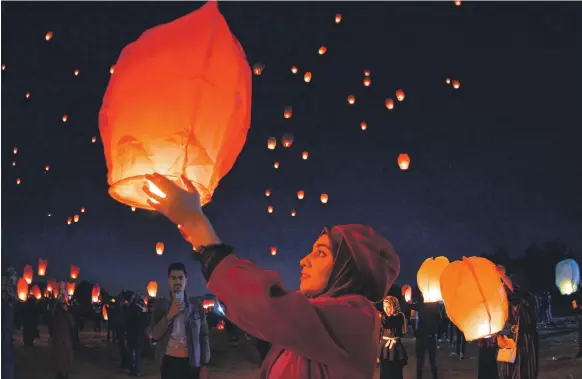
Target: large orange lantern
x=404 y=161
x=75 y=272
x=271 y=143
x=287 y=140
x=179 y=103
x=36 y=292
x=160 y=248
x=407 y=292
x=51 y=285
x=71 y=288
x=95 y=292
x=475 y=299
x=27 y=273
x=152 y=289
x=22 y=289
x=428 y=278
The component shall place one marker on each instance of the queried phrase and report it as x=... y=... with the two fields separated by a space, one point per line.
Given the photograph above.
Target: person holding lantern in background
x=62 y=341
x=348 y=268
x=393 y=355
x=429 y=318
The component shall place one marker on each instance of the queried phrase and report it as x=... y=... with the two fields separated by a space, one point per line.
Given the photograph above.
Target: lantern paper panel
x=27 y=273
x=179 y=103
x=22 y=289
x=407 y=293
x=567 y=276
x=475 y=299
x=95 y=292
x=152 y=289
x=428 y=278
x=35 y=292
x=75 y=272
x=71 y=288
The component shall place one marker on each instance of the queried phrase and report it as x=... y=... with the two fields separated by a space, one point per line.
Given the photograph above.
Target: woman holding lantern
x=393 y=355
x=348 y=268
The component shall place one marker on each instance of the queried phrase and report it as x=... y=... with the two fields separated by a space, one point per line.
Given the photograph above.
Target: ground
x=98 y=360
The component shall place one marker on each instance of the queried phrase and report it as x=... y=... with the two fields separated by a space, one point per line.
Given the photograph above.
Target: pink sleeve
x=329 y=330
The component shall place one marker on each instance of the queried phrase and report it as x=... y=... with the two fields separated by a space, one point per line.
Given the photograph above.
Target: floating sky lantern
x=76 y=218
x=367 y=82
x=389 y=104
x=3 y=67
x=82 y=209
x=258 y=68
x=47 y=168
x=270 y=209
x=22 y=289
x=267 y=192
x=287 y=140
x=152 y=289
x=65 y=118
x=458 y=3
x=294 y=69
x=338 y=18
x=160 y=248
x=48 y=36
x=400 y=95
x=76 y=72
x=300 y=194
x=363 y=125
x=324 y=198
x=567 y=276
x=273 y=250
x=448 y=80
x=404 y=161
x=18 y=181
x=28 y=273
x=271 y=143
x=293 y=212
x=74 y=272
x=15 y=150
x=351 y=99
x=69 y=220
x=407 y=293
x=133 y=209
x=112 y=69
x=276 y=165
x=14 y=164
x=27 y=95
x=148 y=102
x=288 y=112
x=52 y=286
x=95 y=292
x=71 y=288
x=305 y=155
x=93 y=139
x=475 y=299
x=35 y=292
x=428 y=278
x=307 y=77
x=42 y=267
x=322 y=50
x=456 y=84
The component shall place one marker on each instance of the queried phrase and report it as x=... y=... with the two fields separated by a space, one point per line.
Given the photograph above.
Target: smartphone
x=180 y=296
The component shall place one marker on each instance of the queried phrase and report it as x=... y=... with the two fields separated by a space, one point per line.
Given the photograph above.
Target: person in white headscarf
x=393 y=355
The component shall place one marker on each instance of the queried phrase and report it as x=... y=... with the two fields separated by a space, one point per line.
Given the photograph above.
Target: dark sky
x=497 y=162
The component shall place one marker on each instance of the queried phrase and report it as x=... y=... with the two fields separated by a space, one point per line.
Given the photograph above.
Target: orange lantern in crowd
x=267 y=192
x=324 y=198
x=288 y=112
x=389 y=103
x=207 y=303
x=104 y=312
x=322 y=50
x=351 y=99
x=273 y=250
x=220 y=325
x=152 y=289
x=51 y=285
x=475 y=299
x=71 y=288
x=407 y=292
x=300 y=194
x=41 y=267
x=36 y=292
x=194 y=86
x=404 y=161
x=428 y=278
x=307 y=77
x=95 y=292
x=75 y=272
x=22 y=289
x=27 y=273
x=258 y=68
x=400 y=95
x=287 y=140
x=160 y=248
x=305 y=155
x=271 y=143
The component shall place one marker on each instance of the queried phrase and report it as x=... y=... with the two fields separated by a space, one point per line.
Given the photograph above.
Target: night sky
x=496 y=162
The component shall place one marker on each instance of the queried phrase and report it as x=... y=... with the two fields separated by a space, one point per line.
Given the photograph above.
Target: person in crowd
x=120 y=328
x=75 y=311
x=97 y=318
x=9 y=281
x=136 y=325
x=62 y=342
x=487 y=364
x=393 y=355
x=445 y=327
x=429 y=318
x=461 y=346
x=30 y=322
x=112 y=314
x=348 y=268
x=522 y=321
x=179 y=325
x=577 y=305
x=548 y=300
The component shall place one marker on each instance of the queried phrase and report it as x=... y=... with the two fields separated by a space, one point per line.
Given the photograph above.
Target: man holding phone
x=179 y=325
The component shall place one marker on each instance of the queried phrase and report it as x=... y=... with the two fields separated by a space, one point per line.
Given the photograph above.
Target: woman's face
x=388 y=309
x=316 y=267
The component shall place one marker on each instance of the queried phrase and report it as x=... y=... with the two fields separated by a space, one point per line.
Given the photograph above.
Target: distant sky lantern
x=152 y=289
x=82 y=209
x=76 y=218
x=65 y=118
x=14 y=164
x=48 y=36
x=300 y=194
x=41 y=267
x=287 y=140
x=267 y=192
x=95 y=292
x=112 y=69
x=305 y=155
x=293 y=212
x=271 y=143
x=400 y=95
x=3 y=67
x=307 y=77
x=74 y=272
x=294 y=69
x=407 y=293
x=22 y=289
x=448 y=80
x=258 y=68
x=276 y=165
x=76 y=72
x=195 y=74
x=351 y=99
x=567 y=276
x=18 y=181
x=47 y=168
x=270 y=209
x=69 y=220
x=133 y=209
x=159 y=248
x=367 y=82
x=389 y=103
x=15 y=150
x=456 y=84
x=28 y=273
x=475 y=299
x=428 y=278
x=322 y=50
x=273 y=250
x=288 y=112
x=93 y=139
x=458 y=3
x=71 y=288
x=27 y=95
x=36 y=292
x=324 y=198
x=338 y=18
x=367 y=73
x=364 y=125
x=404 y=161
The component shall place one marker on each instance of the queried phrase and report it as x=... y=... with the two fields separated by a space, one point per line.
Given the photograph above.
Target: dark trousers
x=391 y=369
x=263 y=347
x=178 y=368
x=134 y=353
x=579 y=336
x=423 y=345
x=111 y=334
x=123 y=354
x=461 y=342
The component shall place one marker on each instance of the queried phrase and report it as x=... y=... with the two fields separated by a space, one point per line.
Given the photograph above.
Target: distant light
x=76 y=72
x=48 y=36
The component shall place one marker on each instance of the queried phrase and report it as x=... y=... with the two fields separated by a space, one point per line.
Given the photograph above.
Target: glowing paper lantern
x=258 y=68
x=404 y=161
x=364 y=125
x=22 y=289
x=456 y=84
x=48 y=36
x=36 y=292
x=82 y=209
x=76 y=218
x=104 y=312
x=367 y=82
x=270 y=209
x=389 y=103
x=400 y=95
x=152 y=289
x=288 y=112
x=271 y=143
x=71 y=288
x=324 y=198
x=76 y=72
x=300 y=194
x=95 y=292
x=322 y=50
x=273 y=250
x=338 y=18
x=75 y=272
x=220 y=325
x=47 y=168
x=458 y=3
x=207 y=303
x=27 y=273
x=267 y=192
x=41 y=267
x=179 y=103
x=307 y=77
x=3 y=67
x=475 y=299
x=567 y=276
x=367 y=73
x=294 y=69
x=305 y=155
x=65 y=118
x=18 y=181
x=448 y=80
x=407 y=292
x=287 y=140
x=293 y=212
x=93 y=139
x=69 y=220
x=428 y=278
x=276 y=165
x=51 y=285
x=159 y=248
x=27 y=95
x=351 y=99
